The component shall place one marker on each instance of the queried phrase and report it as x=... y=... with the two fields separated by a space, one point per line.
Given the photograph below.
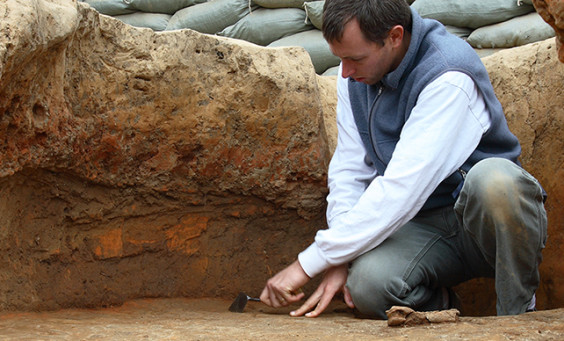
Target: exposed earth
x=207 y=319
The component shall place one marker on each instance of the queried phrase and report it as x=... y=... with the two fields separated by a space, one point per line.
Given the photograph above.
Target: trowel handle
x=256 y=299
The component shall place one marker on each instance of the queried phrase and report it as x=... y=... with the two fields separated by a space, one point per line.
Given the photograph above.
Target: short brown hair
x=375 y=17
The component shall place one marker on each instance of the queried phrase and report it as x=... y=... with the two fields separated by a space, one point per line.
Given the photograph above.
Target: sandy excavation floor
x=207 y=319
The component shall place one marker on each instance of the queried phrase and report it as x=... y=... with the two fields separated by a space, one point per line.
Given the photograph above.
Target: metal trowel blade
x=240 y=302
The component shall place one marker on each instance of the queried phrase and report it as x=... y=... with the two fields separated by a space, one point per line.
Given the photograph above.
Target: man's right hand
x=285 y=287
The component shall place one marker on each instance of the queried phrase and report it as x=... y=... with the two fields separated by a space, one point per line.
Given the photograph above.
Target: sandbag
x=280 y=3
x=472 y=14
x=265 y=25
x=518 y=31
x=163 y=6
x=314 y=12
x=316 y=46
x=209 y=17
x=332 y=71
x=111 y=7
x=482 y=53
x=154 y=21
x=461 y=32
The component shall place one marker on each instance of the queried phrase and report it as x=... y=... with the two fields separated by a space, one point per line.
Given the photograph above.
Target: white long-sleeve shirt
x=364 y=208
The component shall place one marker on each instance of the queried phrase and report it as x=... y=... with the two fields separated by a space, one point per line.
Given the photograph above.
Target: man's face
x=363 y=60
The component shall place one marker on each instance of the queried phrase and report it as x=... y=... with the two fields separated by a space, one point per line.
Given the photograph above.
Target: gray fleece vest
x=380 y=111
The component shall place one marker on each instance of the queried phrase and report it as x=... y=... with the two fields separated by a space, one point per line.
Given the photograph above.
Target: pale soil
x=209 y=319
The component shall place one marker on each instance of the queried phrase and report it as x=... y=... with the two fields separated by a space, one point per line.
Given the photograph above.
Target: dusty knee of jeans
x=493 y=181
x=493 y=188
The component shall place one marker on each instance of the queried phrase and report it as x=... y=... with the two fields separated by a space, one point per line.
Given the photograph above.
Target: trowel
x=240 y=302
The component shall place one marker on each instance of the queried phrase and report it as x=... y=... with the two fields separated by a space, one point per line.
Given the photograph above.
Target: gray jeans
x=496 y=229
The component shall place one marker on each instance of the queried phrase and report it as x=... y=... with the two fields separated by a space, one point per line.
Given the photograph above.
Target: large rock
x=137 y=164
x=529 y=82
x=552 y=11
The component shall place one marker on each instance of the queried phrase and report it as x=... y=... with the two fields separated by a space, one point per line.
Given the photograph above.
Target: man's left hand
x=333 y=282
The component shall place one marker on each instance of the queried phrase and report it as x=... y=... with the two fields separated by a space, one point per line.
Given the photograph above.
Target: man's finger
x=288 y=297
x=293 y=298
x=273 y=298
x=276 y=300
x=265 y=297
x=348 y=297
x=307 y=306
x=323 y=303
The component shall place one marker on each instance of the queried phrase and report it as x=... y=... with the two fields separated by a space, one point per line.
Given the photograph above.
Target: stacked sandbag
x=472 y=14
x=311 y=40
x=518 y=31
x=484 y=24
x=332 y=71
x=314 y=12
x=163 y=6
x=316 y=46
x=111 y=7
x=119 y=7
x=461 y=32
x=154 y=21
x=153 y=14
x=210 y=17
x=282 y=23
x=262 y=22
x=488 y=24
x=280 y=3
x=265 y=25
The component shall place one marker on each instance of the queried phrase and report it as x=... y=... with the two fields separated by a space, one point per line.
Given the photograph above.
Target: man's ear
x=395 y=35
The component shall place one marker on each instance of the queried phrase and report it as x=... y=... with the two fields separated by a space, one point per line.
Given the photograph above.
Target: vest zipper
x=374 y=148
x=463 y=173
x=456 y=192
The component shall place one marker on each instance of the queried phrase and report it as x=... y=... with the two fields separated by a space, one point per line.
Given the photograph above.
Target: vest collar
x=393 y=78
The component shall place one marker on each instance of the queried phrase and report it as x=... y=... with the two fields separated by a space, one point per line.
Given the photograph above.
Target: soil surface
x=209 y=319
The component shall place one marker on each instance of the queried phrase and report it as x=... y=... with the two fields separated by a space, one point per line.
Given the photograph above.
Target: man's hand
x=333 y=282
x=284 y=288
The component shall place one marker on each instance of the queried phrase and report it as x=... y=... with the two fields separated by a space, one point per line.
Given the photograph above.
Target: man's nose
x=347 y=69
